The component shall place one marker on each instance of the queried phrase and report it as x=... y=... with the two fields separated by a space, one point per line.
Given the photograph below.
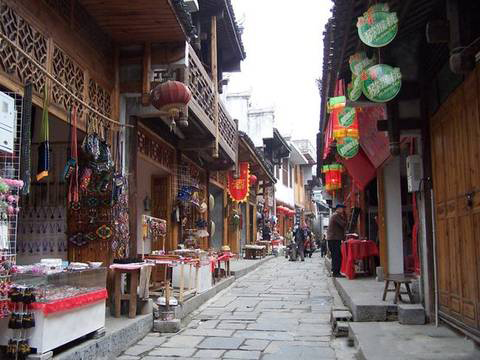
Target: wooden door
x=456 y=182
x=161 y=206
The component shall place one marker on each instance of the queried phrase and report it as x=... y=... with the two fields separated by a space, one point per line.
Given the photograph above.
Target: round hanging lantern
x=253 y=179
x=172 y=97
x=333 y=176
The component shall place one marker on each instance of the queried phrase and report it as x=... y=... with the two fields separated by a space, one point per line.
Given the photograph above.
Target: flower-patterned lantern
x=333 y=176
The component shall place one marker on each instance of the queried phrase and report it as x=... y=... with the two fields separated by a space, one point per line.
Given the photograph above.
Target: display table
x=225 y=258
x=356 y=250
x=267 y=244
x=254 y=251
x=133 y=270
x=69 y=305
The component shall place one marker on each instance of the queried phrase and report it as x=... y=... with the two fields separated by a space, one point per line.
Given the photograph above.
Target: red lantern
x=333 y=176
x=172 y=97
x=253 y=179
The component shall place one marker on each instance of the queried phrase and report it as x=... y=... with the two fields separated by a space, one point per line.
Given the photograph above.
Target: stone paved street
x=280 y=311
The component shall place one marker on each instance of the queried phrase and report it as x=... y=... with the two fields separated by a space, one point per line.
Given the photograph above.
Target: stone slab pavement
x=279 y=311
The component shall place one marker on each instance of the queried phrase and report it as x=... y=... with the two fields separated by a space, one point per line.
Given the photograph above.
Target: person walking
x=288 y=242
x=301 y=236
x=335 y=236
x=266 y=232
x=323 y=246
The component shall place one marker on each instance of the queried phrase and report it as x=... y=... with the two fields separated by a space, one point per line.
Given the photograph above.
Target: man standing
x=335 y=235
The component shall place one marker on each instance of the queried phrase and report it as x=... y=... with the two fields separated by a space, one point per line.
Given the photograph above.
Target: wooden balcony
x=202 y=105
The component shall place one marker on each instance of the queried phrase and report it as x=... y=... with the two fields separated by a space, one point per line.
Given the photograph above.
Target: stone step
x=411 y=314
x=341 y=329
x=341 y=315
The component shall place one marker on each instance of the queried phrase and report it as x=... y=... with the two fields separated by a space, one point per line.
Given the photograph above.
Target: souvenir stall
x=45 y=300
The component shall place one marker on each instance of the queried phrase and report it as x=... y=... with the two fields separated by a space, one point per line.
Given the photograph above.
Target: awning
x=360 y=169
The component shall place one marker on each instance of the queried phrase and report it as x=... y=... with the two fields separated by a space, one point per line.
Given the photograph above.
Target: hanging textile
x=26 y=139
x=238 y=188
x=71 y=168
x=44 y=147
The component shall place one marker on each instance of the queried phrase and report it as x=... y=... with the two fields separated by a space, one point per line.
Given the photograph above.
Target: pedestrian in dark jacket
x=301 y=236
x=266 y=232
x=323 y=246
x=335 y=236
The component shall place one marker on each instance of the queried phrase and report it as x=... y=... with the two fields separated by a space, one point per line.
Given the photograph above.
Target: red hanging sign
x=238 y=188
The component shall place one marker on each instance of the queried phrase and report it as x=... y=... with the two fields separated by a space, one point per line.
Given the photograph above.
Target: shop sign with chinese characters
x=381 y=83
x=377 y=27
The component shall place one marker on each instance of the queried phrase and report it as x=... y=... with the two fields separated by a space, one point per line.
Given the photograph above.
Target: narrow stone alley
x=280 y=311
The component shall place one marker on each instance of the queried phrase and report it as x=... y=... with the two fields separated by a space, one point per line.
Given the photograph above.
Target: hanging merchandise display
x=381 y=83
x=26 y=139
x=238 y=187
x=377 y=27
x=44 y=148
x=333 y=176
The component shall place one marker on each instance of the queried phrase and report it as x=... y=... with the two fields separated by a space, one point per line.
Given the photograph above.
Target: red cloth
x=356 y=250
x=360 y=168
x=71 y=303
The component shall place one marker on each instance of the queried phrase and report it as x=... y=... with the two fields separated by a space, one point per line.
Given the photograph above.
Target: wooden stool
x=131 y=296
x=398 y=280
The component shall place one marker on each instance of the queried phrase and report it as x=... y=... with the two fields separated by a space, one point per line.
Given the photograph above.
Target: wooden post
x=382 y=227
x=147 y=64
x=247 y=222
x=214 y=69
x=132 y=184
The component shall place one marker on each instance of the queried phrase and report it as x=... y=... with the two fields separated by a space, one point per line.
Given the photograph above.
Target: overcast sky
x=284 y=44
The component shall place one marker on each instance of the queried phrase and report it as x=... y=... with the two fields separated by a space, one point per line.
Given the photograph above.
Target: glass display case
x=63 y=285
x=65 y=306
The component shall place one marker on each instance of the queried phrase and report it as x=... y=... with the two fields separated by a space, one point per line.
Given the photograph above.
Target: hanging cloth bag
x=72 y=163
x=44 y=147
x=71 y=158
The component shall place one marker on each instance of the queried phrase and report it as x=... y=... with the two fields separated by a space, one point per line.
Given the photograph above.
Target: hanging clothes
x=72 y=163
x=44 y=147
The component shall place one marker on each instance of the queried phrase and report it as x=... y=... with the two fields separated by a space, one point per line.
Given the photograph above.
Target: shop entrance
x=216 y=216
x=455 y=129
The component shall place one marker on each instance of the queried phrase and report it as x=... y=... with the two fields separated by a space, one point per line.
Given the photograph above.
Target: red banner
x=238 y=188
x=71 y=303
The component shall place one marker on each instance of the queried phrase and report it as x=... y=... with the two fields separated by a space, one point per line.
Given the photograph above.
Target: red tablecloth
x=70 y=303
x=356 y=250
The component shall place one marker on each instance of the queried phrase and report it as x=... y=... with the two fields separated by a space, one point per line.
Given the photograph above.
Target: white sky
x=284 y=44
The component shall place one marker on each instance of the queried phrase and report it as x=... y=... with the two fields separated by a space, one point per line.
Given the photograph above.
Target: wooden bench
x=398 y=280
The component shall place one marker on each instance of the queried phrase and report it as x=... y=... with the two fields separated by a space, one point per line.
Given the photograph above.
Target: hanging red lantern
x=172 y=97
x=333 y=176
x=253 y=179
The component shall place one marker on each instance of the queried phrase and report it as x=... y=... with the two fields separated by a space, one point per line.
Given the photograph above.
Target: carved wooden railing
x=202 y=103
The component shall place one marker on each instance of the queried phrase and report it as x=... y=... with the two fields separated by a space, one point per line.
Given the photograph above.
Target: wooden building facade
x=436 y=115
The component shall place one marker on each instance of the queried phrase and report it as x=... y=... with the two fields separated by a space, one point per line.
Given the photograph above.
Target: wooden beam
x=132 y=183
x=196 y=144
x=147 y=65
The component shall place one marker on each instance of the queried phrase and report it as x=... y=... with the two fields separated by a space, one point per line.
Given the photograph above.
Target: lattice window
x=99 y=99
x=30 y=40
x=69 y=74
